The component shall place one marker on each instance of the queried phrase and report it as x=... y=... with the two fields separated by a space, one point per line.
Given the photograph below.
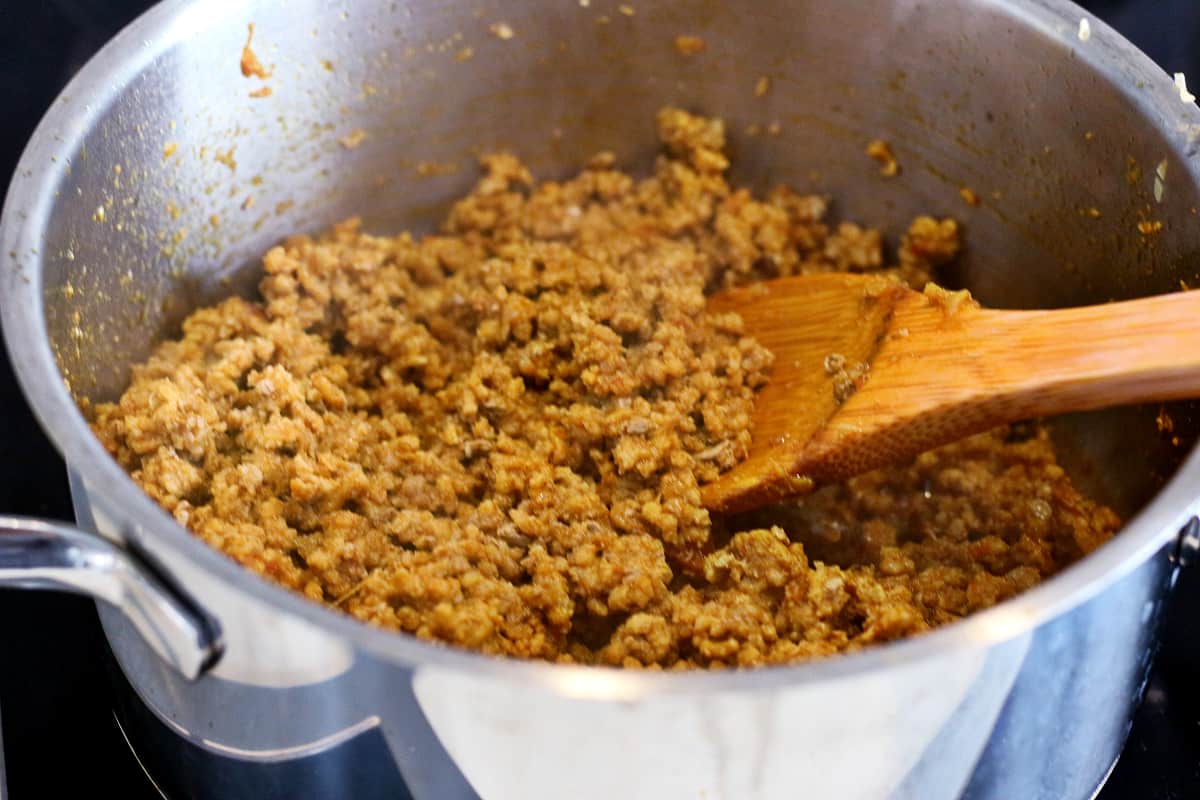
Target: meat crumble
x=495 y=436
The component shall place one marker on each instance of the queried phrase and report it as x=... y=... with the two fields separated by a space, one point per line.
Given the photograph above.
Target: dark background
x=58 y=731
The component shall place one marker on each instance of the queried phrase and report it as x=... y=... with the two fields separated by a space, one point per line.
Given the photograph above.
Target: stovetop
x=59 y=735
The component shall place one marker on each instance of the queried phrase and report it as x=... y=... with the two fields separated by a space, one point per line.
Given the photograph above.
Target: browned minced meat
x=494 y=437
x=848 y=377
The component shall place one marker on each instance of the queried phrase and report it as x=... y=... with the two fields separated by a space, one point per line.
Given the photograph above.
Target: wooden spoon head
x=941 y=368
x=803 y=321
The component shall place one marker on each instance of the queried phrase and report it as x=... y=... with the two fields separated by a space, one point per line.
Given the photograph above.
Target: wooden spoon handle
x=940 y=376
x=1077 y=359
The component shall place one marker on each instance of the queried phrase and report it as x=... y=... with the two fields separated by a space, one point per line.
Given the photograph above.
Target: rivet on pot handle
x=1187 y=548
x=36 y=554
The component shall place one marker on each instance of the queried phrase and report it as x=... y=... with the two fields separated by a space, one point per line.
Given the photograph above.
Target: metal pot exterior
x=293 y=712
x=110 y=230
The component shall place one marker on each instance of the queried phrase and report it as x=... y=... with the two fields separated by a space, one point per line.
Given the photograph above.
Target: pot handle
x=37 y=554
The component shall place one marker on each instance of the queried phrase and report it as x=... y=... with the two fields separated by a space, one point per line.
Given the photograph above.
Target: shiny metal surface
x=35 y=554
x=1068 y=143
x=460 y=735
x=1029 y=718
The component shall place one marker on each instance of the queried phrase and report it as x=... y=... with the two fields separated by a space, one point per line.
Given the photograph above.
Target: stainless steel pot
x=132 y=204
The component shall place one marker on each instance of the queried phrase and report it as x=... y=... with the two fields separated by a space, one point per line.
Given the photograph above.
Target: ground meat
x=848 y=376
x=494 y=437
x=881 y=151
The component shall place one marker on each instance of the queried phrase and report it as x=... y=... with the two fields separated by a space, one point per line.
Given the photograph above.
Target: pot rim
x=89 y=93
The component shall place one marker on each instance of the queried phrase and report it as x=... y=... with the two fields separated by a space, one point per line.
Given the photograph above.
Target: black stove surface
x=58 y=731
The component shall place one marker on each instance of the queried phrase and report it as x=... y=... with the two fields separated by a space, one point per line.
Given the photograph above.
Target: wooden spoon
x=940 y=368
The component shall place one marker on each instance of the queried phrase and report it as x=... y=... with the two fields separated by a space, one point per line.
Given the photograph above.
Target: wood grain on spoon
x=941 y=368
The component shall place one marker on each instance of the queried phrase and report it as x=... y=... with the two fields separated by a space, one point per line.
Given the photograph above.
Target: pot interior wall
x=181 y=178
